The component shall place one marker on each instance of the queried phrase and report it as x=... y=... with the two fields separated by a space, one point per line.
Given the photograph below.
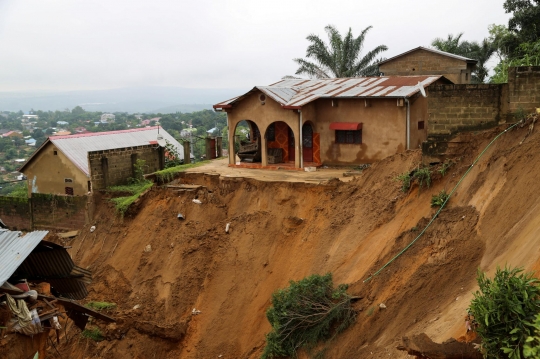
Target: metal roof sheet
x=76 y=147
x=444 y=53
x=299 y=92
x=14 y=249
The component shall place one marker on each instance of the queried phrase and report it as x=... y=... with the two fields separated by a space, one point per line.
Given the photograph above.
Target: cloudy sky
x=103 y=44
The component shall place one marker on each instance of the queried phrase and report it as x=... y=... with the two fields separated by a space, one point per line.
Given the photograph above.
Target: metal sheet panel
x=76 y=147
x=14 y=249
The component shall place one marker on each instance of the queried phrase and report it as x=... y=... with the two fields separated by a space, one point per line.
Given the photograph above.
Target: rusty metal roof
x=295 y=93
x=76 y=147
x=14 y=249
x=435 y=51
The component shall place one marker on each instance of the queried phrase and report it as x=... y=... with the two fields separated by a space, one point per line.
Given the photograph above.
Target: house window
x=420 y=125
x=69 y=191
x=351 y=137
x=68 y=180
x=271 y=132
x=55 y=153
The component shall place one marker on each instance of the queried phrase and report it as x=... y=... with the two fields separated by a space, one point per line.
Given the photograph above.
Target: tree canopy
x=341 y=57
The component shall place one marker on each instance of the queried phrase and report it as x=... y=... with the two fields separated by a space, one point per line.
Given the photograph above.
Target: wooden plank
x=68 y=234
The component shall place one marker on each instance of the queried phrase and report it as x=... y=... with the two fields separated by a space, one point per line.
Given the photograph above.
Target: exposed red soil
x=286 y=231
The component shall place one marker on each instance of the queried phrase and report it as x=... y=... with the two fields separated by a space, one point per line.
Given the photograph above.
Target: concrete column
x=187 y=152
x=297 y=143
x=232 y=154
x=264 y=151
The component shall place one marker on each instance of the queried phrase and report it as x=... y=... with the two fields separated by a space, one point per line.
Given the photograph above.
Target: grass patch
x=136 y=189
x=444 y=168
x=101 y=305
x=405 y=179
x=423 y=175
x=168 y=174
x=94 y=334
x=437 y=200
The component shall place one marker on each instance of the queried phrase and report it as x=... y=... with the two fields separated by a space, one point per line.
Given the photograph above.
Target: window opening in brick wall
x=55 y=153
x=89 y=186
x=350 y=137
x=69 y=191
x=68 y=180
x=420 y=125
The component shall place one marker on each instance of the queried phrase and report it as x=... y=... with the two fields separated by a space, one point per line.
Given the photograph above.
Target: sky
x=66 y=45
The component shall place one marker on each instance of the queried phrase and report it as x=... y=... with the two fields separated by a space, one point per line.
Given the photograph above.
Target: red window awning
x=347 y=126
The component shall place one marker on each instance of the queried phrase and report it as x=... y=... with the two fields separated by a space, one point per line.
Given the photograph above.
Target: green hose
x=442 y=206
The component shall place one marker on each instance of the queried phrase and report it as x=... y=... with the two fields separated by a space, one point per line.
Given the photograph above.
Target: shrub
x=405 y=179
x=94 y=334
x=531 y=348
x=505 y=309
x=305 y=313
x=423 y=175
x=101 y=305
x=437 y=200
x=445 y=166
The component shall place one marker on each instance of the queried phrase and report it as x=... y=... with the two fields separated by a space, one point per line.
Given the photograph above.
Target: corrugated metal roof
x=14 y=249
x=76 y=147
x=51 y=262
x=444 y=53
x=299 y=92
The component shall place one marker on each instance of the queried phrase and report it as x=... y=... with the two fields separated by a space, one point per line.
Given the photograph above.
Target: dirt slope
x=285 y=231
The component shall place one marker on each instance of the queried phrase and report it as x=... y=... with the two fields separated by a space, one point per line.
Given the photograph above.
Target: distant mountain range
x=132 y=100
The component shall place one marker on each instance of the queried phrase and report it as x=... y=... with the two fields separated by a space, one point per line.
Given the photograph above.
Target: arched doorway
x=247 y=141
x=307 y=142
x=277 y=142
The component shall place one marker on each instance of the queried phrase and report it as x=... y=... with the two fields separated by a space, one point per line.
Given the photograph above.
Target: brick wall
x=46 y=211
x=453 y=108
x=524 y=88
x=115 y=167
x=15 y=213
x=59 y=212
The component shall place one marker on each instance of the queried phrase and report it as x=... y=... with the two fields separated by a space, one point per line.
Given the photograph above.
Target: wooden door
x=307 y=142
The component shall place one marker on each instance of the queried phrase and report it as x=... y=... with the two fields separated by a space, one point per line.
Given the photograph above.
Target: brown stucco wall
x=46 y=173
x=119 y=166
x=419 y=112
x=383 y=129
x=422 y=62
x=250 y=108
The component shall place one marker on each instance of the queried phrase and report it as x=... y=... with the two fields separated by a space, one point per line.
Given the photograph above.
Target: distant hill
x=139 y=99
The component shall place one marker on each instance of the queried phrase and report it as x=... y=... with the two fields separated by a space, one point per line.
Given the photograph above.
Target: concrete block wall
x=15 y=213
x=524 y=88
x=115 y=167
x=453 y=108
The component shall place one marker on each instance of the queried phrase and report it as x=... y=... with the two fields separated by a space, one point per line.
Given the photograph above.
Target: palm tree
x=340 y=58
x=481 y=52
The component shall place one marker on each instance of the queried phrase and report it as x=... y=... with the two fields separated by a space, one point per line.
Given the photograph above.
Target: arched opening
x=277 y=137
x=247 y=142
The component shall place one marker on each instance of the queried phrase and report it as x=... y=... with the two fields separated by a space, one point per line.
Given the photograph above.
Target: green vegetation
x=123 y=203
x=437 y=200
x=505 y=309
x=94 y=334
x=168 y=174
x=517 y=44
x=444 y=168
x=101 y=305
x=19 y=190
x=341 y=57
x=405 y=179
x=423 y=176
x=531 y=348
x=304 y=314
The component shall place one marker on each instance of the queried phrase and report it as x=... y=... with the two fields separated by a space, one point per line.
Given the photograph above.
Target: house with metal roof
x=81 y=163
x=341 y=121
x=426 y=61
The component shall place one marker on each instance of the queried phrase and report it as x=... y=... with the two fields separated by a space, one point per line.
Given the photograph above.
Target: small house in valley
x=80 y=163
x=300 y=123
